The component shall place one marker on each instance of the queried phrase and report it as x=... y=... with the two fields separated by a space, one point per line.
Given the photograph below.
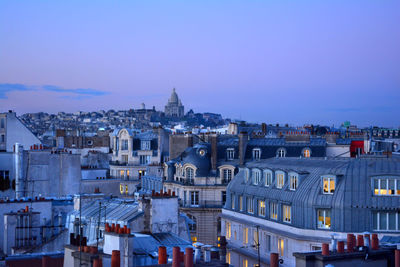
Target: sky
x=296 y=62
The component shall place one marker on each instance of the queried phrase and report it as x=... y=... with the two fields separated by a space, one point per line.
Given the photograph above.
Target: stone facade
x=174 y=107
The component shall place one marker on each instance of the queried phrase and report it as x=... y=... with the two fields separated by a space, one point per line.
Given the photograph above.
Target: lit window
x=273 y=211
x=255 y=239
x=287 y=216
x=127 y=173
x=228 y=257
x=281 y=153
x=230 y=153
x=324 y=219
x=256 y=153
x=261 y=208
x=250 y=205
x=256 y=176
x=122 y=173
x=245 y=263
x=386 y=221
x=294 y=181
x=268 y=177
x=280 y=179
x=240 y=203
x=328 y=184
x=245 y=235
x=281 y=247
x=306 y=153
x=233 y=201
x=228 y=230
x=386 y=186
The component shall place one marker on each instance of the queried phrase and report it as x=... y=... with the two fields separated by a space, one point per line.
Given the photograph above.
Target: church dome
x=174 y=97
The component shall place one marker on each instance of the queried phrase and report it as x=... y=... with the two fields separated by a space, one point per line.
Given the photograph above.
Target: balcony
x=205 y=204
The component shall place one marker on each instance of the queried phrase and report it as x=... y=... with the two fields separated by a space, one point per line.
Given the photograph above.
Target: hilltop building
x=174 y=107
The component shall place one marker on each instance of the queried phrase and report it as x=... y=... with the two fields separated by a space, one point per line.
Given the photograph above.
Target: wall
x=18 y=133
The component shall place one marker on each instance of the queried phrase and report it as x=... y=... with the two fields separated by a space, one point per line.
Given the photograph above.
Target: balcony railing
x=201 y=204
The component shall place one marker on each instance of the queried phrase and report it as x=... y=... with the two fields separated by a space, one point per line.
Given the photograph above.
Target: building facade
x=291 y=205
x=134 y=152
x=174 y=107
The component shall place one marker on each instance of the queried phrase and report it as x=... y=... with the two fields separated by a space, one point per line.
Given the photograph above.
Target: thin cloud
x=11 y=87
x=78 y=91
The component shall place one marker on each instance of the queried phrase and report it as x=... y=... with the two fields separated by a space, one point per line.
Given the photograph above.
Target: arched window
x=256 y=153
x=268 y=177
x=189 y=173
x=281 y=153
x=280 y=179
x=230 y=153
x=227 y=175
x=306 y=153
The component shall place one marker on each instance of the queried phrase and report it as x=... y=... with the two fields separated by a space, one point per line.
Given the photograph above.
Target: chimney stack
x=214 y=152
x=243 y=139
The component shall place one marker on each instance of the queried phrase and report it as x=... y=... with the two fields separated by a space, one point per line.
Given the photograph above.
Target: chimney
x=214 y=152
x=264 y=128
x=243 y=138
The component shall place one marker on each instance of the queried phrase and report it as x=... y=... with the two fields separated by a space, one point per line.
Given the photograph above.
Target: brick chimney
x=214 y=151
x=243 y=139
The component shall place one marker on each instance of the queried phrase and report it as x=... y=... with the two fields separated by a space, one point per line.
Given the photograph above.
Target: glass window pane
x=391 y=187
x=376 y=186
x=392 y=221
x=382 y=221
x=375 y=220
x=383 y=187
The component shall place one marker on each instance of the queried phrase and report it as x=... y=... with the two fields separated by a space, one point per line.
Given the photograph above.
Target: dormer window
x=306 y=153
x=189 y=173
x=256 y=176
x=281 y=153
x=386 y=186
x=268 y=177
x=328 y=184
x=256 y=153
x=227 y=175
x=293 y=181
x=246 y=175
x=280 y=179
x=124 y=145
x=230 y=153
x=145 y=145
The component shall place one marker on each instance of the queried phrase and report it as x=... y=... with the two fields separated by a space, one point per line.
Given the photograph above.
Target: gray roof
x=351 y=204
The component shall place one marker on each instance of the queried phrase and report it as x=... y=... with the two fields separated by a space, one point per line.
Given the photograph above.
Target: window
x=273 y=211
x=280 y=179
x=2 y=123
x=256 y=176
x=245 y=235
x=228 y=257
x=255 y=239
x=287 y=216
x=145 y=145
x=386 y=221
x=245 y=263
x=230 y=153
x=223 y=197
x=233 y=201
x=256 y=153
x=227 y=175
x=3 y=139
x=281 y=153
x=261 y=208
x=328 y=184
x=194 y=198
x=268 y=177
x=240 y=203
x=228 y=230
x=386 y=186
x=144 y=159
x=294 y=181
x=281 y=247
x=250 y=205
x=4 y=180
x=246 y=175
x=189 y=173
x=324 y=219
x=124 y=145
x=267 y=243
x=124 y=158
x=306 y=153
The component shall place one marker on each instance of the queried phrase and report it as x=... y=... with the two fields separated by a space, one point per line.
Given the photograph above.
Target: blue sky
x=263 y=61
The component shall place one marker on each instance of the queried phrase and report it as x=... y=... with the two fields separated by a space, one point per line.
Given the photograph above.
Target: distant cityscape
x=73 y=186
